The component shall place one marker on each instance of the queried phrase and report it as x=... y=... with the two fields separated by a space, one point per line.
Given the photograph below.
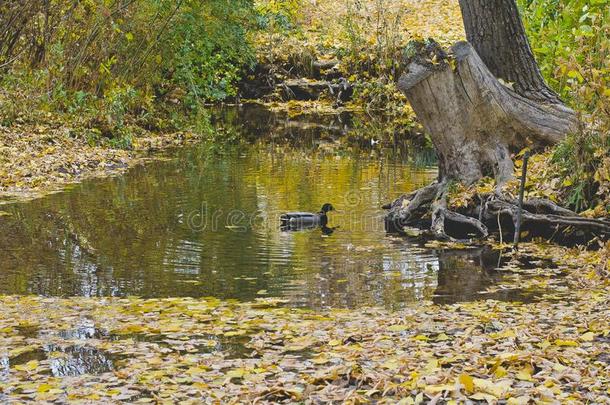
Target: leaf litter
x=206 y=350
x=37 y=159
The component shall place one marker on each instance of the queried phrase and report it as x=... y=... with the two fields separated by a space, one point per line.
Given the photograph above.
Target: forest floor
x=44 y=157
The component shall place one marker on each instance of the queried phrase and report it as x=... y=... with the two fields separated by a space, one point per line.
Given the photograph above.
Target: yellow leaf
x=500 y=372
x=498 y=389
x=20 y=350
x=523 y=400
x=479 y=396
x=587 y=337
x=468 y=382
x=432 y=366
x=236 y=373
x=42 y=388
x=509 y=356
x=391 y=364
x=93 y=397
x=321 y=358
x=29 y=366
x=544 y=344
x=508 y=333
x=398 y=328
x=129 y=329
x=525 y=374
x=300 y=343
x=435 y=389
x=569 y=343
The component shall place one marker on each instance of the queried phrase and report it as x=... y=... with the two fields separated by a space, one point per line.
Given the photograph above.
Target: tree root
x=504 y=207
x=411 y=208
x=427 y=207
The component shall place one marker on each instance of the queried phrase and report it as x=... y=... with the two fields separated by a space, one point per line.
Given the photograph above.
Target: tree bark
x=474 y=120
x=495 y=30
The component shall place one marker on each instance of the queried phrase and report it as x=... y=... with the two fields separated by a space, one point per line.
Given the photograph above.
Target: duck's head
x=326 y=208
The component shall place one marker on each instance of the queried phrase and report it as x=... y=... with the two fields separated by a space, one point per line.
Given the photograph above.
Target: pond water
x=204 y=222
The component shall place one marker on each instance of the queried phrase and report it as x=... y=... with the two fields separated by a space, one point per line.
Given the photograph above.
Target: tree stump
x=475 y=122
x=473 y=119
x=480 y=103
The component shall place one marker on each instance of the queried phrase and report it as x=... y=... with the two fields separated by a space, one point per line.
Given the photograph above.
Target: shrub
x=116 y=58
x=571 y=41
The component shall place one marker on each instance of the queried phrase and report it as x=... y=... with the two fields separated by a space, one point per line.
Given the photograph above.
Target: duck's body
x=305 y=220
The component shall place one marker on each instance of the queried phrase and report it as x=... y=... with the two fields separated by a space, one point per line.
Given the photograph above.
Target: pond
x=203 y=221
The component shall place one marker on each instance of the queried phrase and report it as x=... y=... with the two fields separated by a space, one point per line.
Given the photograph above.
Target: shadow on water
x=206 y=224
x=466 y=275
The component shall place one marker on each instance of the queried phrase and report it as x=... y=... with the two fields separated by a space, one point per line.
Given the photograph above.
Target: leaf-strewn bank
x=36 y=159
x=181 y=349
x=367 y=39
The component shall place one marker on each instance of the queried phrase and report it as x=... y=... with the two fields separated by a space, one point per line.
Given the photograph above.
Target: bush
x=117 y=58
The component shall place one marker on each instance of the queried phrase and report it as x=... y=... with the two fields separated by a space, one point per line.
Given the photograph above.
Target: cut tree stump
x=476 y=122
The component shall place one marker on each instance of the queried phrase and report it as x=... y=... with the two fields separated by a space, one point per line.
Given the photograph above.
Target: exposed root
x=429 y=206
x=441 y=214
x=411 y=208
x=544 y=206
x=504 y=207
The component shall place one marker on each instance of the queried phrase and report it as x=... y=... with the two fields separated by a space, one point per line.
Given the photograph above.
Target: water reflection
x=62 y=361
x=204 y=224
x=466 y=275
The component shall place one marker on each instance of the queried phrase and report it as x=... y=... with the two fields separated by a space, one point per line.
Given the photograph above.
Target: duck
x=305 y=220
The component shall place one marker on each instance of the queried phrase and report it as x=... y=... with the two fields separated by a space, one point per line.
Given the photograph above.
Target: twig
x=520 y=206
x=500 y=230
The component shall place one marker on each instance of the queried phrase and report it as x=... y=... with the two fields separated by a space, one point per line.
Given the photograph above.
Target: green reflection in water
x=206 y=224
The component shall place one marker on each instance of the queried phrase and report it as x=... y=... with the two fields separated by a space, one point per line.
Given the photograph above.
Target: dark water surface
x=204 y=222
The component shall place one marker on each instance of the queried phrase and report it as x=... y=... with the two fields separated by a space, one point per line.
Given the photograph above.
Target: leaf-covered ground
x=553 y=350
x=35 y=159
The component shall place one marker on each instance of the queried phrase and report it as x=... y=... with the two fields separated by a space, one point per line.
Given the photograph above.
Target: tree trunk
x=476 y=121
x=495 y=30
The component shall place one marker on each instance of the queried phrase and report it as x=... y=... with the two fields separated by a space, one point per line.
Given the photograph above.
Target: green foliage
x=278 y=14
x=571 y=41
x=118 y=61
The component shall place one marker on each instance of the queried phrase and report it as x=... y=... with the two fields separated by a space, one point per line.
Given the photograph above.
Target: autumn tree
x=480 y=102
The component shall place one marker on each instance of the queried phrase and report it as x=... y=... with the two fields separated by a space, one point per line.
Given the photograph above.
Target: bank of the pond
x=36 y=159
x=206 y=350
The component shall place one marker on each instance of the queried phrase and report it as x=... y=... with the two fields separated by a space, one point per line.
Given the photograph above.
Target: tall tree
x=480 y=103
